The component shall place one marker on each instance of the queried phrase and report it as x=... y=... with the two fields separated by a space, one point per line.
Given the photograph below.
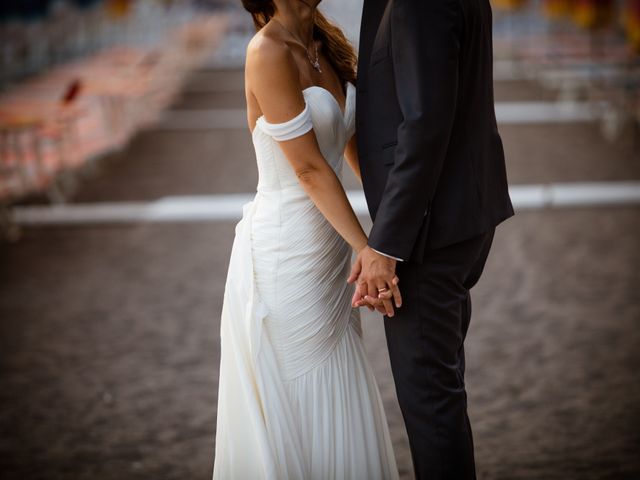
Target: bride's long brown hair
x=336 y=46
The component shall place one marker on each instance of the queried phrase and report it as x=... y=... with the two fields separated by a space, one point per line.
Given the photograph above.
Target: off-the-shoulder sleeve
x=296 y=127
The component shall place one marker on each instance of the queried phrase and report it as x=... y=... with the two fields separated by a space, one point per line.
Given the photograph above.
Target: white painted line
x=167 y=209
x=595 y=194
x=358 y=202
x=530 y=196
x=507 y=113
x=229 y=207
x=518 y=113
x=567 y=195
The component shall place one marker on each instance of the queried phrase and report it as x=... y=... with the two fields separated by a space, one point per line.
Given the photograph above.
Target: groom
x=434 y=177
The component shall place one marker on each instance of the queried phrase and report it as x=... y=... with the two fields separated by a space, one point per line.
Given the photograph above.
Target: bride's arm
x=351 y=156
x=273 y=80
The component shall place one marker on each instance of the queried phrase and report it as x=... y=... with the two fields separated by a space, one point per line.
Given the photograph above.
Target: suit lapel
x=372 y=13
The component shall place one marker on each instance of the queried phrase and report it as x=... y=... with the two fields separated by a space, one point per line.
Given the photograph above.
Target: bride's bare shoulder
x=268 y=54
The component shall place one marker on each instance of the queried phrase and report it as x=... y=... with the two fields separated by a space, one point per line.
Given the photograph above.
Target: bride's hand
x=358 y=299
x=359 y=293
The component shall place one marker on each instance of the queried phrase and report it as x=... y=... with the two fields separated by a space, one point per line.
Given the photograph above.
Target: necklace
x=315 y=62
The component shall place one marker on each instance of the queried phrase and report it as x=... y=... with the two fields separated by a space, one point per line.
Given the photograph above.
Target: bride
x=297 y=397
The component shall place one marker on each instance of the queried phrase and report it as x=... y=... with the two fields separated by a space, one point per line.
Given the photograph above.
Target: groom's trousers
x=425 y=340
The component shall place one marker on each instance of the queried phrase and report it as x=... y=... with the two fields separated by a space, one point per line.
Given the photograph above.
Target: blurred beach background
x=125 y=159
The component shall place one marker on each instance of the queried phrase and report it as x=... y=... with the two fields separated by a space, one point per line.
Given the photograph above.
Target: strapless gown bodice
x=332 y=127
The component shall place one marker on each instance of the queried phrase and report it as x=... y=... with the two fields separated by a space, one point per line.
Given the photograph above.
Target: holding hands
x=376 y=282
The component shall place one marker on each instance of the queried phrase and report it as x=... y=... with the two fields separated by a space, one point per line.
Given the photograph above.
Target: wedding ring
x=381 y=290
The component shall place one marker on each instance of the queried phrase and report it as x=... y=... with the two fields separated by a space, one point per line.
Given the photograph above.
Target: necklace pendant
x=315 y=63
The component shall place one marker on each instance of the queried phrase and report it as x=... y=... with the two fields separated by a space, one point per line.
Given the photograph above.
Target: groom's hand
x=376 y=280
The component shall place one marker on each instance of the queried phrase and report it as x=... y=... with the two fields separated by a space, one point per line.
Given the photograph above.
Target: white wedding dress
x=297 y=397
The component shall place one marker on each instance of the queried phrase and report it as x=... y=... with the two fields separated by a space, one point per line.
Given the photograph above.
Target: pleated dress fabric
x=297 y=398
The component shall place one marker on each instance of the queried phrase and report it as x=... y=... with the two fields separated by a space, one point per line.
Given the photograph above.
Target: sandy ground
x=109 y=335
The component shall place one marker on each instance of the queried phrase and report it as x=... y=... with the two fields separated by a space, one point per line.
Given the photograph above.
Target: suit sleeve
x=425 y=43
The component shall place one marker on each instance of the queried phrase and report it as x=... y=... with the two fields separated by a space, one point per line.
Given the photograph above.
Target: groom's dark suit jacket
x=431 y=157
